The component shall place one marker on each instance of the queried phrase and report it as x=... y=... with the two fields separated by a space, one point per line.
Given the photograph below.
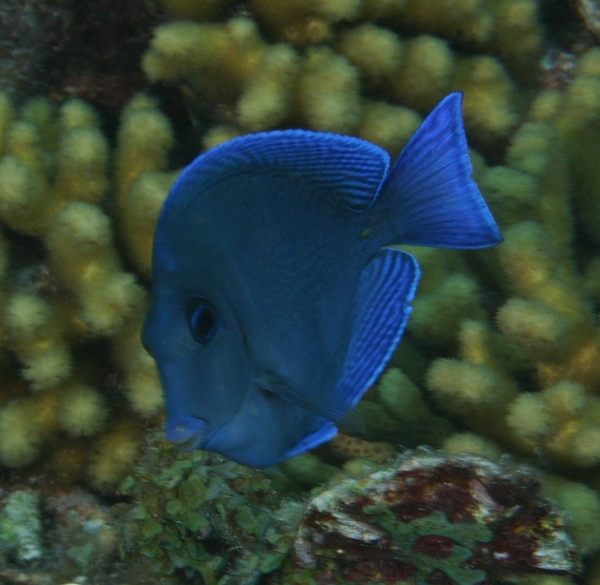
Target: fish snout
x=186 y=433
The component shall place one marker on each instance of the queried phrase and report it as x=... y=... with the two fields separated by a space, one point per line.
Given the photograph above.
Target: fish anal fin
x=325 y=433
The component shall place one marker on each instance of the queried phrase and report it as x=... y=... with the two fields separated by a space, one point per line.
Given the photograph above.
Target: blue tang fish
x=277 y=300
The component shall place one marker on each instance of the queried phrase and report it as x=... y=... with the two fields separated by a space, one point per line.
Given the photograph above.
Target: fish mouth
x=189 y=445
x=187 y=434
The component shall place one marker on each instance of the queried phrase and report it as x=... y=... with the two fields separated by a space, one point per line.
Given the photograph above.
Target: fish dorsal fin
x=387 y=285
x=431 y=188
x=348 y=169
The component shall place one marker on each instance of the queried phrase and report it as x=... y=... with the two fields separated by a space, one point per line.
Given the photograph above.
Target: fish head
x=215 y=399
x=201 y=357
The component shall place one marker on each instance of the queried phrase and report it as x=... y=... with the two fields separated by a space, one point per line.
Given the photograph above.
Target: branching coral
x=503 y=342
x=59 y=305
x=251 y=82
x=547 y=330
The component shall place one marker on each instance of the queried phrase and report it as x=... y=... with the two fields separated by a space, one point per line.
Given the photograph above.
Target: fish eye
x=202 y=319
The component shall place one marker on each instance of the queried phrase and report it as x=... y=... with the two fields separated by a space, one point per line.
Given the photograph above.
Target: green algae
x=206 y=518
x=21 y=527
x=406 y=534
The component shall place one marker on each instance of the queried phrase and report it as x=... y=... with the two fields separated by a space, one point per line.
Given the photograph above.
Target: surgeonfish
x=277 y=299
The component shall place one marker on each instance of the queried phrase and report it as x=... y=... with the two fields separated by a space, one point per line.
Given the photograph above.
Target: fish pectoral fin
x=431 y=189
x=386 y=287
x=272 y=382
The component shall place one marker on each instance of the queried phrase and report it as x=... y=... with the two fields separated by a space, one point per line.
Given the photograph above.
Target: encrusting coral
x=433 y=518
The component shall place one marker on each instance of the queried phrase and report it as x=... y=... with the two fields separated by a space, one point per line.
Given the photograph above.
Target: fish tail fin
x=431 y=189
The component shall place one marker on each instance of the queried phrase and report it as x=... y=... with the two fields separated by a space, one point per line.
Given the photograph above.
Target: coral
x=308 y=469
x=548 y=317
x=67 y=302
x=575 y=116
x=59 y=538
x=433 y=518
x=387 y=125
x=256 y=84
x=375 y=51
x=202 y=516
x=509 y=29
x=582 y=511
x=479 y=394
x=327 y=92
x=303 y=22
x=502 y=350
x=81 y=250
x=26 y=423
x=83 y=411
x=503 y=342
x=265 y=101
x=145 y=137
x=217 y=60
x=474 y=444
x=562 y=420
x=523 y=366
x=21 y=527
x=347 y=447
x=37 y=335
x=113 y=454
x=590 y=12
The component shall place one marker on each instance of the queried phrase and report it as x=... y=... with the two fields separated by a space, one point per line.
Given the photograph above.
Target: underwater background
x=480 y=459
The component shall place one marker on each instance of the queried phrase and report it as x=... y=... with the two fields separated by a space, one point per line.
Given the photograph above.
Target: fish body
x=277 y=300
